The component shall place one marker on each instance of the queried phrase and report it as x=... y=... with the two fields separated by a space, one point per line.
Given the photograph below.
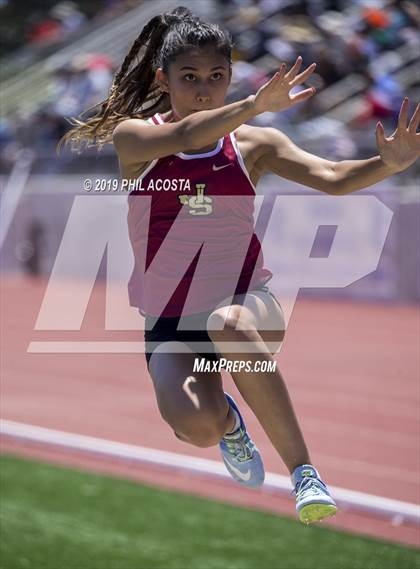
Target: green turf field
x=54 y=518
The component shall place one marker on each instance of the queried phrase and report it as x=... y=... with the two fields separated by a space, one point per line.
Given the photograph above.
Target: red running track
x=352 y=370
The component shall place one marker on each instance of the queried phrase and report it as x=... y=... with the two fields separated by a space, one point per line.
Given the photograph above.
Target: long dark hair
x=134 y=92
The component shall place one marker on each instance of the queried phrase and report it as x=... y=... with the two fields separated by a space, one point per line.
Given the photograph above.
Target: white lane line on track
x=397 y=510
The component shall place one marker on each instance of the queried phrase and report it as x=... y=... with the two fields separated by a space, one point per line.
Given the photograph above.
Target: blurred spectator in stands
x=47 y=127
x=69 y=15
x=81 y=83
x=43 y=30
x=100 y=70
x=382 y=99
x=60 y=22
x=71 y=88
x=6 y=131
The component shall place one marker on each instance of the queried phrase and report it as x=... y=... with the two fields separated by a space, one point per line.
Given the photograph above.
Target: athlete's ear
x=162 y=80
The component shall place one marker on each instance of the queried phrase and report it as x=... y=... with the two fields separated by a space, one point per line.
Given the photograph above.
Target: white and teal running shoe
x=313 y=500
x=240 y=455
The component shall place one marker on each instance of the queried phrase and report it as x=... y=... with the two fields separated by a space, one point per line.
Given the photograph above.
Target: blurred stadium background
x=361 y=357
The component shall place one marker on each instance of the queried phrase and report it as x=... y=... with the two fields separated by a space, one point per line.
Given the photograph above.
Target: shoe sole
x=312 y=513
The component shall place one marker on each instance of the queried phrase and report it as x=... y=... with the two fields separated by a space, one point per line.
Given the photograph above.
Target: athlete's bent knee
x=203 y=433
x=229 y=327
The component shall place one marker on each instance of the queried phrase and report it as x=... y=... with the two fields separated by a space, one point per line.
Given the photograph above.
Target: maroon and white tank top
x=193 y=238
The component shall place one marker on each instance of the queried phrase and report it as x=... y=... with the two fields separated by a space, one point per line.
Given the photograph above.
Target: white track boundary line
x=397 y=510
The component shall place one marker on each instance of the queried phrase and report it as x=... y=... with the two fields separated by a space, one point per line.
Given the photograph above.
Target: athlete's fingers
x=403 y=115
x=380 y=134
x=301 y=78
x=279 y=75
x=273 y=79
x=415 y=120
x=294 y=69
x=282 y=71
x=303 y=95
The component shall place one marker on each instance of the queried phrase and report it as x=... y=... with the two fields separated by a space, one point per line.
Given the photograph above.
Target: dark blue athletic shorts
x=164 y=329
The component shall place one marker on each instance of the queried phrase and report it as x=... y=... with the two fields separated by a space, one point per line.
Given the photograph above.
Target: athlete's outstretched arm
x=396 y=153
x=136 y=140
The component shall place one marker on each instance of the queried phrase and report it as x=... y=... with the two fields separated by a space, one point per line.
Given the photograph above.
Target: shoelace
x=239 y=446
x=309 y=485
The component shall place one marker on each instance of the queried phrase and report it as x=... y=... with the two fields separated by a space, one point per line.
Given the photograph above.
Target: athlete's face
x=196 y=81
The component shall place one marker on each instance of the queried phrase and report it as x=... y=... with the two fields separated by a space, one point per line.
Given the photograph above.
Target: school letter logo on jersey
x=199 y=204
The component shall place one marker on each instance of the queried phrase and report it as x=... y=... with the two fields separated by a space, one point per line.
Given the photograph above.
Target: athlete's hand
x=402 y=148
x=275 y=95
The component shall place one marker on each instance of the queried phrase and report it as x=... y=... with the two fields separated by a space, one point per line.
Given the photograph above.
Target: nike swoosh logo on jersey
x=245 y=476
x=215 y=168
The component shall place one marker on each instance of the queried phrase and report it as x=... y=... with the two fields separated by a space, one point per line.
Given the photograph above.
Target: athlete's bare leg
x=193 y=404
x=265 y=392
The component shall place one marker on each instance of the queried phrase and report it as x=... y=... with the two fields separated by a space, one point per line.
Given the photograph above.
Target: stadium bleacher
x=366 y=60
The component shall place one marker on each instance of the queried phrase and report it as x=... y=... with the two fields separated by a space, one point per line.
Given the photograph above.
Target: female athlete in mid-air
x=167 y=118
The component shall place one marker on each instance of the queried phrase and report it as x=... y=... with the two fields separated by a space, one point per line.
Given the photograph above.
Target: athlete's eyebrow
x=195 y=68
